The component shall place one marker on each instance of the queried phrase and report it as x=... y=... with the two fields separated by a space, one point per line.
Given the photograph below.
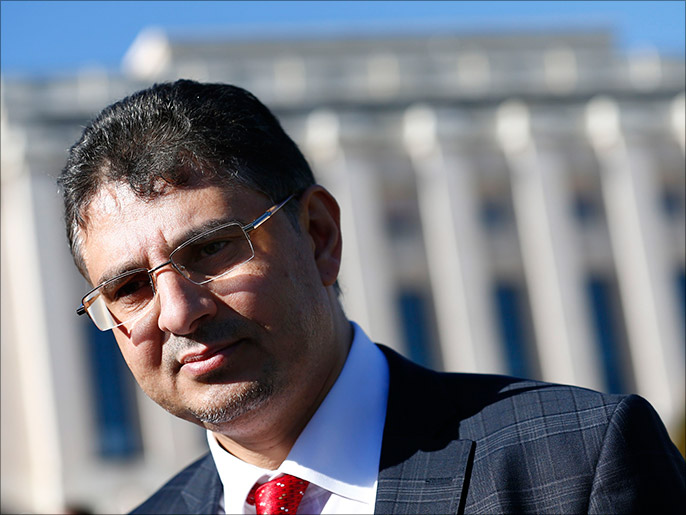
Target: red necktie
x=278 y=496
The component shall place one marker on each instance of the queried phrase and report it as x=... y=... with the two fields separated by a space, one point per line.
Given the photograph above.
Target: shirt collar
x=340 y=448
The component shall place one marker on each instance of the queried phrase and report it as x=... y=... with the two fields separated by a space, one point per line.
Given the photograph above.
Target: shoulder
x=196 y=484
x=506 y=416
x=498 y=399
x=521 y=403
x=545 y=446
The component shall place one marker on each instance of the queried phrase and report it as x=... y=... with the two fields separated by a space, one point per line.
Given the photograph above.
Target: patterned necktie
x=281 y=495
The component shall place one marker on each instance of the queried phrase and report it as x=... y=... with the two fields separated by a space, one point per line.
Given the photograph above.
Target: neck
x=263 y=453
x=265 y=436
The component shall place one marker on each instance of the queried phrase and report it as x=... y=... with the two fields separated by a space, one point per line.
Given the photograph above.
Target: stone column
x=552 y=265
x=631 y=196
x=366 y=277
x=458 y=266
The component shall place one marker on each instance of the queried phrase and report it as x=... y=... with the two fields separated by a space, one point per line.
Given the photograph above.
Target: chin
x=225 y=403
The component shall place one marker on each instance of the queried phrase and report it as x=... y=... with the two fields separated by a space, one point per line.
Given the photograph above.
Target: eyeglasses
x=202 y=259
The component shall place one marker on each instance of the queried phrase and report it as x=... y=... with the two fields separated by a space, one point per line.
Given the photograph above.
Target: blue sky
x=54 y=36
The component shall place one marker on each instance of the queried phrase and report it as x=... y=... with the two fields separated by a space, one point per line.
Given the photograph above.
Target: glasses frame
x=247 y=229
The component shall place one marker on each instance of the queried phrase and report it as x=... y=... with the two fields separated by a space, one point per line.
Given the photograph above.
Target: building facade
x=511 y=204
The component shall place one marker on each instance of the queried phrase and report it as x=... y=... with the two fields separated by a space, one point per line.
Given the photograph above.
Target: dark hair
x=171 y=132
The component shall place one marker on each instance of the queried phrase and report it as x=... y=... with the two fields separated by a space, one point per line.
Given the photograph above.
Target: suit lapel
x=204 y=489
x=427 y=482
x=424 y=466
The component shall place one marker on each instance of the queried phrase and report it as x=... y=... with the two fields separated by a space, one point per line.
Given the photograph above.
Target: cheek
x=145 y=363
x=141 y=356
x=253 y=289
x=255 y=300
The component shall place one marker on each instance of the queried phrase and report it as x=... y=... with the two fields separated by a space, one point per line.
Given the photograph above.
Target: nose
x=182 y=303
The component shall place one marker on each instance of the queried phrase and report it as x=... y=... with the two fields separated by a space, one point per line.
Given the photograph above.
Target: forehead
x=126 y=231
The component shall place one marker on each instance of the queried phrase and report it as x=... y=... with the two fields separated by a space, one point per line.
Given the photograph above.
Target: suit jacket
x=470 y=443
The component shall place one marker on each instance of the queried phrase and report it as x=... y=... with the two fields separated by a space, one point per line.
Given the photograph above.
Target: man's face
x=251 y=344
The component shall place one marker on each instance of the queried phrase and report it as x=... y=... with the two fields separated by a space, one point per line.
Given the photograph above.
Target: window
x=414 y=319
x=681 y=296
x=511 y=313
x=116 y=418
x=606 y=317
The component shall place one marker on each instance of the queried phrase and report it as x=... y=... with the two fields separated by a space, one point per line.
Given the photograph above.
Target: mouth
x=202 y=362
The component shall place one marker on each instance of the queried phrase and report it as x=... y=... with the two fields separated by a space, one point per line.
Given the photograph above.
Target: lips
x=207 y=360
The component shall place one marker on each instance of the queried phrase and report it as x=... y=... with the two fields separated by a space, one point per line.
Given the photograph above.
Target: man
x=214 y=256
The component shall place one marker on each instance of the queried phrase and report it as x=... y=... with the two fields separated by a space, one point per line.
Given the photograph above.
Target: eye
x=212 y=248
x=131 y=288
x=127 y=287
x=212 y=253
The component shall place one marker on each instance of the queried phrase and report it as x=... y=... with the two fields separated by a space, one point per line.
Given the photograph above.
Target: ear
x=320 y=218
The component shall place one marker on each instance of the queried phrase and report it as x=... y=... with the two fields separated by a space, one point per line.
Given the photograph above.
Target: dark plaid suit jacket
x=469 y=443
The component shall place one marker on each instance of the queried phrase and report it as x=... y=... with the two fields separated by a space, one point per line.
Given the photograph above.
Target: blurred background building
x=511 y=203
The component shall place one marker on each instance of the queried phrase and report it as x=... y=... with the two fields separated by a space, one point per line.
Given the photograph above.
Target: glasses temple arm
x=269 y=212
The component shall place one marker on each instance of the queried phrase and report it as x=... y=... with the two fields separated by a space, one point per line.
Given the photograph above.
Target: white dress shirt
x=338 y=452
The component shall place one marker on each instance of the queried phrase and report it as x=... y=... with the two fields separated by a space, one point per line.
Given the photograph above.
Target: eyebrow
x=131 y=265
x=208 y=225
x=117 y=270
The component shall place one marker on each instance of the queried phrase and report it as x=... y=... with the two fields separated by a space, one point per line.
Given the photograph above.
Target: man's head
x=244 y=345
x=169 y=133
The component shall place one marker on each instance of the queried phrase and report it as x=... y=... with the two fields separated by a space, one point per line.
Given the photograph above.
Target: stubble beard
x=226 y=403
x=224 y=400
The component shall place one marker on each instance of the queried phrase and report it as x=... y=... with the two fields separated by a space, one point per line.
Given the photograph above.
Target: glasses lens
x=213 y=254
x=119 y=300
